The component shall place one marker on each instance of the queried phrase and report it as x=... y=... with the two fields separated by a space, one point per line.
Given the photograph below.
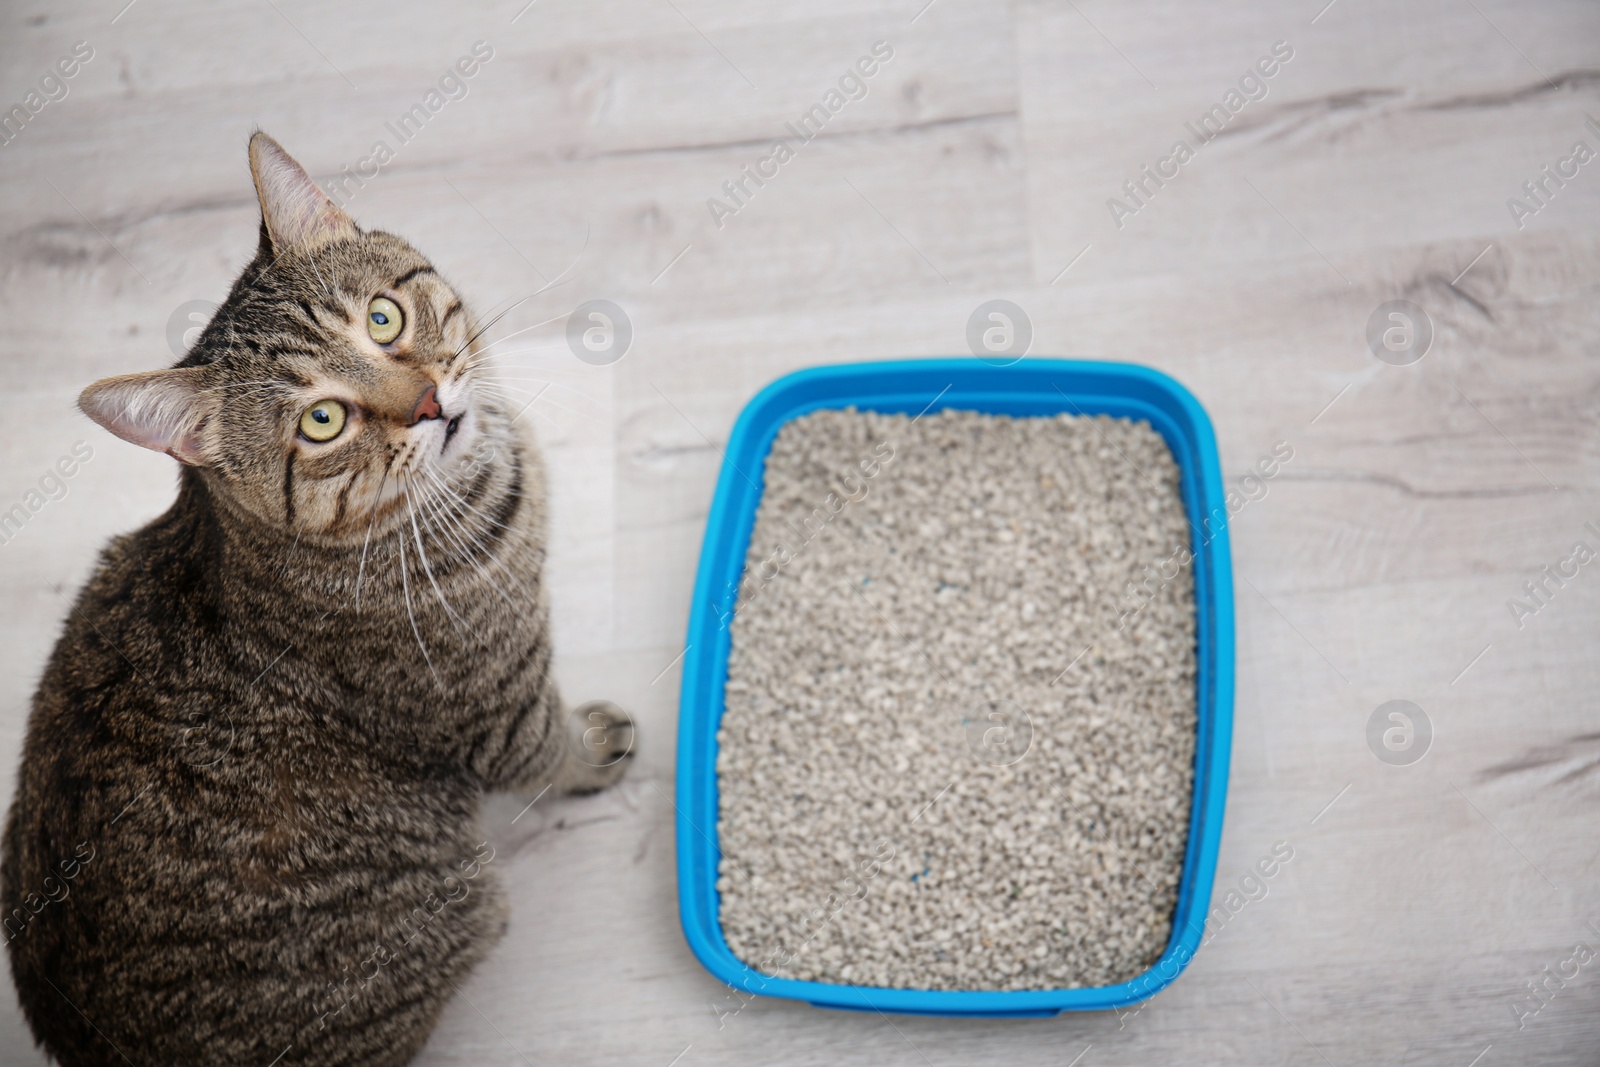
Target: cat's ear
x=166 y=410
x=295 y=213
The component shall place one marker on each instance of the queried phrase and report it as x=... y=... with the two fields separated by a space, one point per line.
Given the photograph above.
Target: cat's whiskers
x=466 y=505
x=588 y=230
x=443 y=524
x=479 y=361
x=502 y=378
x=498 y=359
x=549 y=385
x=395 y=466
x=513 y=393
x=486 y=327
x=405 y=591
x=496 y=352
x=491 y=345
x=468 y=520
x=461 y=518
x=439 y=523
x=522 y=406
x=488 y=351
x=422 y=554
x=367 y=541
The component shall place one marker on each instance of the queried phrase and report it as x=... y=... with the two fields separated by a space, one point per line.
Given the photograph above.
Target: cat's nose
x=427 y=407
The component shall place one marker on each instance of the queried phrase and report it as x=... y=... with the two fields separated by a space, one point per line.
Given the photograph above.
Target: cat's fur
x=245 y=828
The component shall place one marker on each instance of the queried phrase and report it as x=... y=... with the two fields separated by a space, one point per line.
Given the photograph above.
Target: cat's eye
x=384 y=320
x=323 y=420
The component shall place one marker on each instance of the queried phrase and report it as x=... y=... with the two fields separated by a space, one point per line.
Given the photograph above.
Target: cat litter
x=958 y=743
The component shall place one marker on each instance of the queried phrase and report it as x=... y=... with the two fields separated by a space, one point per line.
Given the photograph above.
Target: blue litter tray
x=1030 y=387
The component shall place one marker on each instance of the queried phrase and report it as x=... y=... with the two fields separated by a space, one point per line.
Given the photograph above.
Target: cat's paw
x=600 y=747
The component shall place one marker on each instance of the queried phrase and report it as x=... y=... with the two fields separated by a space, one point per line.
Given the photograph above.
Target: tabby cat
x=245 y=827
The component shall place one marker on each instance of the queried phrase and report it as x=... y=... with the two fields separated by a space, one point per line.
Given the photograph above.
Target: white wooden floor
x=1420 y=900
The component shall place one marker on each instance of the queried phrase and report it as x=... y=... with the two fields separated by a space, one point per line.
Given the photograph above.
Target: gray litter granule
x=958 y=743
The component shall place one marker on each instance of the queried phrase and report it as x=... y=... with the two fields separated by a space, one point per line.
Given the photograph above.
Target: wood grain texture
x=1377 y=566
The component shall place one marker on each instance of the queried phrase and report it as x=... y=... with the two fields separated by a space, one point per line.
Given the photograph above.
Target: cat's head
x=339 y=374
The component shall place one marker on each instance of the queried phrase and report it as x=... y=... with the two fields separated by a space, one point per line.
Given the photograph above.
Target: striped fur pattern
x=245 y=829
